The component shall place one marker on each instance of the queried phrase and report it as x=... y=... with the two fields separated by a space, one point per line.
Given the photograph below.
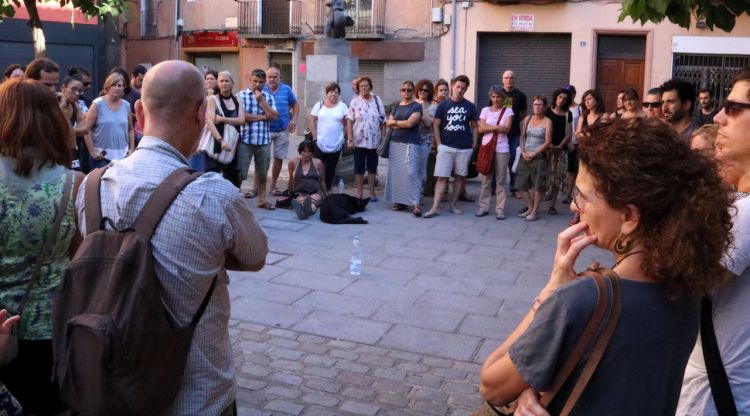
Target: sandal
x=398 y=207
x=373 y=198
x=250 y=194
x=276 y=192
x=431 y=214
x=552 y=211
x=267 y=206
x=417 y=211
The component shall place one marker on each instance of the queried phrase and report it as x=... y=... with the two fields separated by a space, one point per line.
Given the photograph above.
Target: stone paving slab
x=407 y=336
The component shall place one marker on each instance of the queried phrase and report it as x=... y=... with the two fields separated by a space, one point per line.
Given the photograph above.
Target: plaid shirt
x=255 y=132
x=207 y=221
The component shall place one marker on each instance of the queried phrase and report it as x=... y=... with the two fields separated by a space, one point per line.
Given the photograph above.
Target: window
x=148 y=18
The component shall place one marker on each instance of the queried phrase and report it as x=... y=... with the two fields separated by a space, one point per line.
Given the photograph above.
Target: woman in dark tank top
x=307 y=180
x=234 y=116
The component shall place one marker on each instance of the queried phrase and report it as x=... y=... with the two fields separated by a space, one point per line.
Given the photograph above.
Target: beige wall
x=583 y=20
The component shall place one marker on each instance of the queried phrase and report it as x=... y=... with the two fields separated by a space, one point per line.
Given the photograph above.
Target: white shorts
x=280 y=142
x=449 y=159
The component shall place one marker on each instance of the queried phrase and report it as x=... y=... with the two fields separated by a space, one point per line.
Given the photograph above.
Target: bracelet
x=537 y=304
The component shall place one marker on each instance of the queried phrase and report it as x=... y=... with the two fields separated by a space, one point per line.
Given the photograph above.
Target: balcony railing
x=368 y=16
x=270 y=18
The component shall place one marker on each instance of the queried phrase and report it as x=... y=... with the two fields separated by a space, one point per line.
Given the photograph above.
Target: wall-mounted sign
x=230 y=22
x=210 y=40
x=522 y=23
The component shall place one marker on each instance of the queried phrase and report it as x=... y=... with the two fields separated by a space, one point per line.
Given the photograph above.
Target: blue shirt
x=285 y=101
x=455 y=123
x=255 y=132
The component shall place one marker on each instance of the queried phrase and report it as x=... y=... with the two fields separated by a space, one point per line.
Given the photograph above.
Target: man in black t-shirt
x=706 y=110
x=518 y=104
x=454 y=130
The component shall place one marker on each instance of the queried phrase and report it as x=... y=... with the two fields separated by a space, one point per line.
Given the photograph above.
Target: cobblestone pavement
x=409 y=334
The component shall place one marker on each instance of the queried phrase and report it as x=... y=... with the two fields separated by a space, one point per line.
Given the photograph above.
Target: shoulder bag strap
x=721 y=390
x=92 y=200
x=601 y=343
x=583 y=341
x=161 y=199
x=218 y=105
x=51 y=238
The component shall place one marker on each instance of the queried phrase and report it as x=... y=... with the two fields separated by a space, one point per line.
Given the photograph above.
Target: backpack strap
x=161 y=199
x=92 y=200
x=721 y=390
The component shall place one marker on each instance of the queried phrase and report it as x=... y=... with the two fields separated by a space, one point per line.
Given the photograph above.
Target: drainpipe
x=178 y=24
x=454 y=37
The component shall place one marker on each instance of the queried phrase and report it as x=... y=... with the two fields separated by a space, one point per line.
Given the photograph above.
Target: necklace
x=625 y=256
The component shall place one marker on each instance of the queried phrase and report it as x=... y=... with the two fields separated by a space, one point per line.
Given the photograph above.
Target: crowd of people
x=662 y=187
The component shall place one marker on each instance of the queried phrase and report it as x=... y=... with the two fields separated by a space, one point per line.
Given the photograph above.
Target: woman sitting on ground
x=638 y=192
x=306 y=179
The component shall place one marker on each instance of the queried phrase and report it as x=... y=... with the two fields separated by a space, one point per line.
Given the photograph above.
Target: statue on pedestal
x=337 y=20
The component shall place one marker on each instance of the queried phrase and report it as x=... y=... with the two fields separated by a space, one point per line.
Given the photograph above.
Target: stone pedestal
x=332 y=61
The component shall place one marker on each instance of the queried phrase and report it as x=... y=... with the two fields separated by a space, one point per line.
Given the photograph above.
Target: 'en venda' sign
x=522 y=23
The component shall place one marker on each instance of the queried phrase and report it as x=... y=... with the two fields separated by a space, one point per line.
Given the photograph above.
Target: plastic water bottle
x=355 y=264
x=341 y=185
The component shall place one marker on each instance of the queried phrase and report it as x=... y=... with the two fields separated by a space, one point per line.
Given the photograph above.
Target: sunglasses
x=407 y=89
x=425 y=90
x=656 y=104
x=733 y=108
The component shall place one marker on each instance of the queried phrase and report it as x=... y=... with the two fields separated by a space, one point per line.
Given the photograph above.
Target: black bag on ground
x=116 y=352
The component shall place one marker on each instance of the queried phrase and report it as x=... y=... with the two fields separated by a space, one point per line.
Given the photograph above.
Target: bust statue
x=337 y=20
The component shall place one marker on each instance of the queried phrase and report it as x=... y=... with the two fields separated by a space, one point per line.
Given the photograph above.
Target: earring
x=623 y=244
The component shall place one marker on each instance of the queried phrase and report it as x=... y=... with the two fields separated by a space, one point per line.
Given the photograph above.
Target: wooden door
x=614 y=75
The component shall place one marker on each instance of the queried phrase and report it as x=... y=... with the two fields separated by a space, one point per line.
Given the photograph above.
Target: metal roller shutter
x=541 y=62
x=373 y=70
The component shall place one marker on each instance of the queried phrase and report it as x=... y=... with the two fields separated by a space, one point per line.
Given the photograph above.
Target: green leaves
x=88 y=7
x=717 y=13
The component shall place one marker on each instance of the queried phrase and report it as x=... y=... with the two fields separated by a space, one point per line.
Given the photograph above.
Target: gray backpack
x=116 y=352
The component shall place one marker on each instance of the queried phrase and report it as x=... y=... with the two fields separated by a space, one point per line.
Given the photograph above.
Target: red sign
x=210 y=40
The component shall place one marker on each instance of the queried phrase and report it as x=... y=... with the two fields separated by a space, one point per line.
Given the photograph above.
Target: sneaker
x=523 y=212
x=481 y=213
x=500 y=216
x=532 y=217
x=299 y=209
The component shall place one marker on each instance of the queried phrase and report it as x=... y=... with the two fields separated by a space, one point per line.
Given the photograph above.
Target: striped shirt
x=255 y=132
x=285 y=100
x=207 y=221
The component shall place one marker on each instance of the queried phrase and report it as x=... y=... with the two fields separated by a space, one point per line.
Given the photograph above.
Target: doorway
x=218 y=62
x=283 y=61
x=620 y=64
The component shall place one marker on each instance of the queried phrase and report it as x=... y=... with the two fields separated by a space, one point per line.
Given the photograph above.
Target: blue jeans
x=513 y=144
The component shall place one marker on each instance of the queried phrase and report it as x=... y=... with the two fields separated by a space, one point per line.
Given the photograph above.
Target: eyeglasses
x=656 y=104
x=733 y=108
x=578 y=200
x=407 y=90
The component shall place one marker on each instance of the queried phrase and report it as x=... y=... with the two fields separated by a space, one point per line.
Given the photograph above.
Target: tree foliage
x=717 y=13
x=88 y=7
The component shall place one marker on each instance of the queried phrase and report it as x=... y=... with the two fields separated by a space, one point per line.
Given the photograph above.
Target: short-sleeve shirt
x=208 y=221
x=285 y=100
x=330 y=126
x=518 y=104
x=730 y=311
x=455 y=122
x=368 y=116
x=490 y=117
x=403 y=112
x=255 y=132
x=643 y=365
x=700 y=119
x=559 y=124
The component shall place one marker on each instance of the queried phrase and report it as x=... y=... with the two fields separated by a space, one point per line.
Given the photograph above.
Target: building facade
x=548 y=45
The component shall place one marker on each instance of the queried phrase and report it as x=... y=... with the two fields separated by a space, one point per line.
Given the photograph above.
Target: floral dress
x=28 y=207
x=367 y=116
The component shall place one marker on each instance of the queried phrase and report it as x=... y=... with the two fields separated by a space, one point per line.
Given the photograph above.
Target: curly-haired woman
x=638 y=192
